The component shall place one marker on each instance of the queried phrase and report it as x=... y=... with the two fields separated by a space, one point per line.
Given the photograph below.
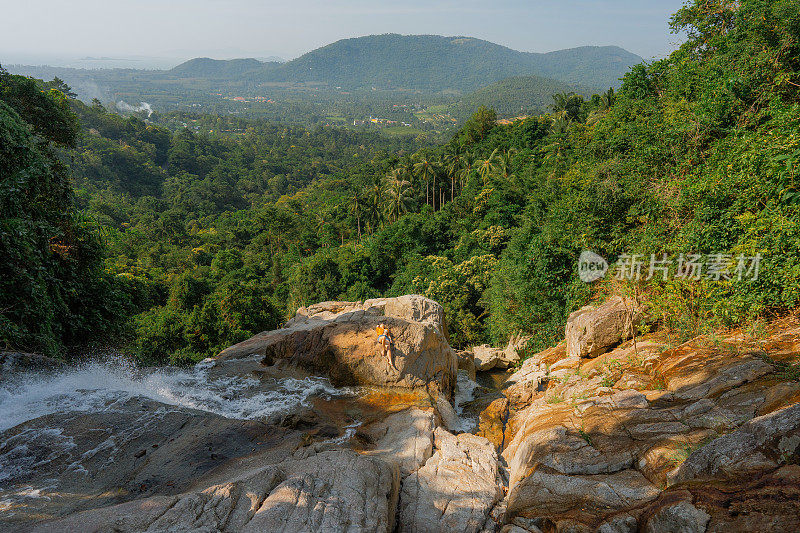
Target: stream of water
x=99 y=386
x=108 y=386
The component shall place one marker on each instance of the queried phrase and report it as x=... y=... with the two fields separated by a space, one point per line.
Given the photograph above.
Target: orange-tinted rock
x=643 y=416
x=339 y=340
x=491 y=422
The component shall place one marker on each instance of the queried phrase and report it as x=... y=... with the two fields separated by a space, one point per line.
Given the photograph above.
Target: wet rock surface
x=141 y=448
x=14 y=362
x=98 y=436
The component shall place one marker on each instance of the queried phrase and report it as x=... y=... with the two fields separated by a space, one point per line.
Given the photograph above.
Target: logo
x=591 y=266
x=692 y=266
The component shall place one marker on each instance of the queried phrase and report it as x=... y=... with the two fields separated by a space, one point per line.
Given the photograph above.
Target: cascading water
x=108 y=388
x=95 y=387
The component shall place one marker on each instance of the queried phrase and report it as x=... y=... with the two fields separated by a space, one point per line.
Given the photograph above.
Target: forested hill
x=432 y=63
x=204 y=67
x=515 y=96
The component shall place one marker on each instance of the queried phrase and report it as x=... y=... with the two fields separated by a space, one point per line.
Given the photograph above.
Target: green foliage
x=53 y=291
x=199 y=322
x=515 y=96
x=478 y=126
x=217 y=235
x=46 y=111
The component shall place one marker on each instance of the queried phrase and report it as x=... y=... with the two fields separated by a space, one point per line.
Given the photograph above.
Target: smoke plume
x=143 y=106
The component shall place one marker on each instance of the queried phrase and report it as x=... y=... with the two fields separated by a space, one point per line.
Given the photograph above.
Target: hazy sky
x=259 y=28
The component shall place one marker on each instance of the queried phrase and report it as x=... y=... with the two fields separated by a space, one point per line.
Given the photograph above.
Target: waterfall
x=101 y=386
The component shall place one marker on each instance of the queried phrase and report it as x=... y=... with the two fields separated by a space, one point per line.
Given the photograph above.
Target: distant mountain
x=204 y=67
x=515 y=96
x=272 y=59
x=428 y=63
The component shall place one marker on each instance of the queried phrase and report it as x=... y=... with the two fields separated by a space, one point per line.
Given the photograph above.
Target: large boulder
x=326 y=492
x=338 y=339
x=487 y=357
x=591 y=331
x=456 y=488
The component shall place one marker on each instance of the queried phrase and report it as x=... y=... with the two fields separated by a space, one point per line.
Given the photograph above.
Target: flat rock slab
x=758 y=445
x=328 y=492
x=141 y=447
x=404 y=438
x=546 y=491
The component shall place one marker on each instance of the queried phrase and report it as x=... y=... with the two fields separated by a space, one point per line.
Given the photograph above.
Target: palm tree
x=567 y=105
x=373 y=200
x=398 y=195
x=355 y=207
x=560 y=102
x=320 y=225
x=406 y=171
x=436 y=169
x=467 y=166
x=504 y=163
x=425 y=169
x=452 y=166
x=487 y=166
x=607 y=100
x=407 y=168
x=441 y=172
x=559 y=125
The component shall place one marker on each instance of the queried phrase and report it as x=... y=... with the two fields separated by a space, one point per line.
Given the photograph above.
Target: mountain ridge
x=425 y=63
x=207 y=67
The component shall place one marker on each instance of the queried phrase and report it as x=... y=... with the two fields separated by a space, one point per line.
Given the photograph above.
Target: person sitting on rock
x=385 y=340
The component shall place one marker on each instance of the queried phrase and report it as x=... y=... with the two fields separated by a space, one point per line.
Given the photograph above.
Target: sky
x=146 y=31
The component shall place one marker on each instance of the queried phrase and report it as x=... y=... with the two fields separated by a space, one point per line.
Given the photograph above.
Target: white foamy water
x=107 y=387
x=349 y=433
x=101 y=387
